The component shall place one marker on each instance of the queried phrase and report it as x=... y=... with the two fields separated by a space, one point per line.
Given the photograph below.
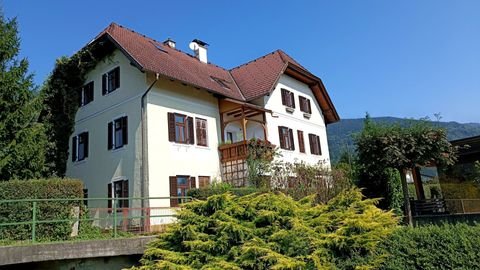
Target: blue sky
x=390 y=58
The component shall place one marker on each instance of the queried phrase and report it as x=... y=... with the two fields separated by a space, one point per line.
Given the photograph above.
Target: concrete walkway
x=73 y=250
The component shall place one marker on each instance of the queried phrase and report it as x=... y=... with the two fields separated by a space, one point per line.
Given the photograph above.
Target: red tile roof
x=245 y=82
x=154 y=56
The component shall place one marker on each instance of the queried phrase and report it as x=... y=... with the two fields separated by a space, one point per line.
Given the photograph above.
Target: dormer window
x=288 y=99
x=111 y=81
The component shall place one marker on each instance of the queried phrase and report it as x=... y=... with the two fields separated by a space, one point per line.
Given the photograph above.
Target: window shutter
x=74 y=148
x=319 y=147
x=117 y=77
x=173 y=191
x=290 y=137
x=301 y=143
x=282 y=141
x=310 y=140
x=191 y=138
x=104 y=84
x=292 y=98
x=302 y=103
x=109 y=193
x=284 y=96
x=171 y=127
x=125 y=193
x=193 y=183
x=125 y=129
x=309 y=107
x=89 y=92
x=110 y=135
x=80 y=101
x=85 y=143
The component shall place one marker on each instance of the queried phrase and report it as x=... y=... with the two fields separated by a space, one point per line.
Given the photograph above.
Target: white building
x=155 y=121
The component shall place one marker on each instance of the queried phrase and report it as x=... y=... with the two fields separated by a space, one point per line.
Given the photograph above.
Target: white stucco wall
x=103 y=166
x=296 y=121
x=167 y=158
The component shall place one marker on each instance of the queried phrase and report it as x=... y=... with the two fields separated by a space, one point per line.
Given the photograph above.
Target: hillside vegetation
x=340 y=135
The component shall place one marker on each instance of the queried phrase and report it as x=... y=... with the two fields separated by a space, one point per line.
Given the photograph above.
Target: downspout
x=144 y=126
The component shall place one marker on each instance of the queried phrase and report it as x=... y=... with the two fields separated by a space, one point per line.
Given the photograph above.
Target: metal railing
x=114 y=218
x=446 y=206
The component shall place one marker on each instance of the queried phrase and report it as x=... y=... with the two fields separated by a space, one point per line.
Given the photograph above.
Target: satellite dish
x=193 y=46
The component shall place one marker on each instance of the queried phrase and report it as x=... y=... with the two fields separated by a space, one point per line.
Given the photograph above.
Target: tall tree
x=22 y=138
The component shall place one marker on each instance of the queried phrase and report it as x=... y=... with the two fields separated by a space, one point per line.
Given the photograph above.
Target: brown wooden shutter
x=310 y=140
x=171 y=127
x=104 y=84
x=125 y=193
x=193 y=182
x=282 y=139
x=116 y=73
x=302 y=103
x=110 y=135
x=125 y=129
x=173 y=191
x=190 y=135
x=301 y=143
x=74 y=148
x=292 y=99
x=90 y=91
x=109 y=195
x=319 y=147
x=309 y=108
x=284 y=96
x=290 y=137
x=85 y=144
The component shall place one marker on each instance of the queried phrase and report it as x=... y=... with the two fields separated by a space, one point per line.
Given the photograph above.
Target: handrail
x=111 y=214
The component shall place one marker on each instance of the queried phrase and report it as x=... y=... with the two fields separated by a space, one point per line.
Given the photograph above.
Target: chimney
x=200 y=50
x=170 y=43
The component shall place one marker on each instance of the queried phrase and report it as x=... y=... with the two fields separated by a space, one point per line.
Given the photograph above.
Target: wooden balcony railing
x=233 y=151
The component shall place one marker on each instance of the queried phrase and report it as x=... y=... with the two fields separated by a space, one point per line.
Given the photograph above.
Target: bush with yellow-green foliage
x=273 y=231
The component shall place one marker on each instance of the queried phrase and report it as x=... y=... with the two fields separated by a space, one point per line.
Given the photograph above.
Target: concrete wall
x=102 y=165
x=296 y=121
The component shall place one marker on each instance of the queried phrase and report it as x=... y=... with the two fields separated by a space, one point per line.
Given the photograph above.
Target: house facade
x=155 y=121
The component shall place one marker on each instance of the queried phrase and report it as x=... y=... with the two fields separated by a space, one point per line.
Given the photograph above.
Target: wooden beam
x=417 y=181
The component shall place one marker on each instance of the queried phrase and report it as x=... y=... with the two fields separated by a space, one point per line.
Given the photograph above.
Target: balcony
x=233 y=151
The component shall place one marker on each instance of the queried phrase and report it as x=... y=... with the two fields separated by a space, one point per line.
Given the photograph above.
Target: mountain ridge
x=340 y=134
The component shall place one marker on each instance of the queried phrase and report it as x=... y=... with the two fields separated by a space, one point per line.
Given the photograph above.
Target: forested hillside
x=340 y=135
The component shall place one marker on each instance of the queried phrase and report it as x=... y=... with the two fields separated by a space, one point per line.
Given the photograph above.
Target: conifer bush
x=272 y=231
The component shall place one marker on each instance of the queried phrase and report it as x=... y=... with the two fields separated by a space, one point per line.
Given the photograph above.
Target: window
x=118 y=133
x=119 y=189
x=180 y=128
x=301 y=143
x=111 y=81
x=179 y=185
x=315 y=148
x=201 y=130
x=286 y=138
x=86 y=94
x=80 y=146
x=287 y=98
x=203 y=181
x=305 y=105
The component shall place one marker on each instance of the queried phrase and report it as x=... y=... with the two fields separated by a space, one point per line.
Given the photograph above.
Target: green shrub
x=220 y=188
x=272 y=231
x=22 y=211
x=434 y=247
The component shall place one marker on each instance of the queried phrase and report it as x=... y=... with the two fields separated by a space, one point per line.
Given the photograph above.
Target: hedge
x=204 y=193
x=22 y=211
x=434 y=247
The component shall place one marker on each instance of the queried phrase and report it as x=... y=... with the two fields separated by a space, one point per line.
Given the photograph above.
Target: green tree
x=383 y=148
x=22 y=138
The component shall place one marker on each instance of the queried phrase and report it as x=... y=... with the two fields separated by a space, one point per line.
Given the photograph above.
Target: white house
x=155 y=121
